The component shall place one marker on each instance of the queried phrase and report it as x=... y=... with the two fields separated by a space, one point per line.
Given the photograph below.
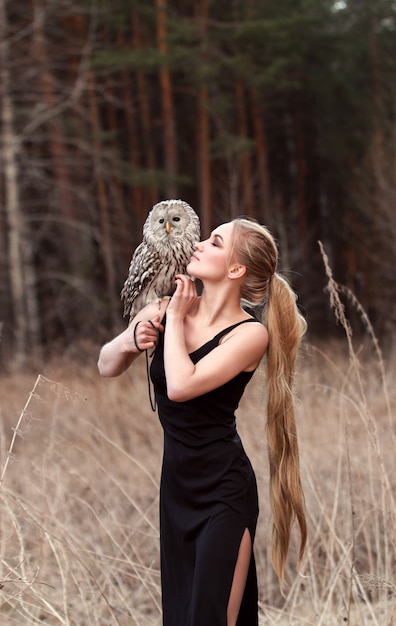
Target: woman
x=207 y=349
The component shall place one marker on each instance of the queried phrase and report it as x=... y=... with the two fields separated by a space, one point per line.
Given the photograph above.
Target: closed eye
x=217 y=241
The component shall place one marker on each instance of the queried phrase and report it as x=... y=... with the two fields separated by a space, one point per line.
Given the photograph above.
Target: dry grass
x=79 y=468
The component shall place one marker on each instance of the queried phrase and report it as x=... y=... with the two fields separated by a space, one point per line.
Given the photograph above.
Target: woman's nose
x=198 y=245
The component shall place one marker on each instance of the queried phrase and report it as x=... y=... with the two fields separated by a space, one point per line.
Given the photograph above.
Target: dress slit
x=242 y=561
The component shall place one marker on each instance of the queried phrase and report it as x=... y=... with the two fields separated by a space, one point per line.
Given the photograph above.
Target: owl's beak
x=168 y=227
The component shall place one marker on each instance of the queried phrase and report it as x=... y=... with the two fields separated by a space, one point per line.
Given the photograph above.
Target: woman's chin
x=190 y=269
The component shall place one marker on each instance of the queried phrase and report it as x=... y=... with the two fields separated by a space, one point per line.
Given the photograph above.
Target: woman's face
x=212 y=257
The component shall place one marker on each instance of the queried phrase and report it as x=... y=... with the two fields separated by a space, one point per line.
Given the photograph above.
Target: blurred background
x=284 y=111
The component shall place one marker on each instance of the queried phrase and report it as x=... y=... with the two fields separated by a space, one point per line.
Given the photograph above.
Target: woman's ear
x=236 y=271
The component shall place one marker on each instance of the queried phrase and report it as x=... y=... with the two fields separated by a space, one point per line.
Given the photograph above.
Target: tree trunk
x=118 y=200
x=264 y=193
x=143 y=95
x=245 y=161
x=104 y=211
x=57 y=150
x=10 y=147
x=168 y=117
x=203 y=134
x=264 y=211
x=376 y=79
x=301 y=176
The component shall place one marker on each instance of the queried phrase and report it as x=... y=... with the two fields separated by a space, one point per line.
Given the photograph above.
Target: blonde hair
x=255 y=248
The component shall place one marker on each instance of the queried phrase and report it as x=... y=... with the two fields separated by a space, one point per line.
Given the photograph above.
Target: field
x=80 y=461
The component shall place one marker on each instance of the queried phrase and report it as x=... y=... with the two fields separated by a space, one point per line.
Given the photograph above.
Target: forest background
x=283 y=111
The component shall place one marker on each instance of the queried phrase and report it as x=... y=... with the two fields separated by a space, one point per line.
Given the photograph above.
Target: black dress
x=208 y=497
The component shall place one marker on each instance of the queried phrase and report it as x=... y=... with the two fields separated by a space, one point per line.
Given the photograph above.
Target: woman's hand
x=145 y=333
x=184 y=297
x=141 y=334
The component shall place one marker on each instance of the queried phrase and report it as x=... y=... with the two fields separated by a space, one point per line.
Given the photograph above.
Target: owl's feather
x=169 y=234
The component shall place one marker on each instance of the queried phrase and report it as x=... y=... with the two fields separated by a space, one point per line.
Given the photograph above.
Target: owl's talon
x=160 y=300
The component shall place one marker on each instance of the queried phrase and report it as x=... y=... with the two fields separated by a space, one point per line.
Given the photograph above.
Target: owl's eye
x=161 y=220
x=176 y=219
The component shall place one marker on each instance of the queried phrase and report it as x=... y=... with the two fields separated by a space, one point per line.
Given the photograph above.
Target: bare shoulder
x=256 y=330
x=249 y=341
x=253 y=333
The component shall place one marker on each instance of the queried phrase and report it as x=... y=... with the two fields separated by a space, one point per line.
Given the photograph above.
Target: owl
x=169 y=233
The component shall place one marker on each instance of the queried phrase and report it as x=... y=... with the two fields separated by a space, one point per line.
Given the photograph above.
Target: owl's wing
x=144 y=266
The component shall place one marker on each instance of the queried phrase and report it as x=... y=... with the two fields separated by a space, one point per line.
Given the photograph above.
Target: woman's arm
x=118 y=354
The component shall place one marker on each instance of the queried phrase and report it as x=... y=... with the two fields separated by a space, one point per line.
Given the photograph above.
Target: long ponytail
x=255 y=247
x=285 y=328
